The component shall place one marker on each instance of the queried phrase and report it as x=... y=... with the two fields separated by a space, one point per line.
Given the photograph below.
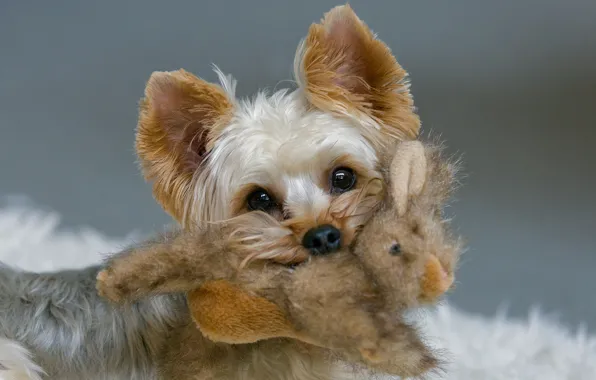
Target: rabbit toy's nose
x=436 y=280
x=322 y=240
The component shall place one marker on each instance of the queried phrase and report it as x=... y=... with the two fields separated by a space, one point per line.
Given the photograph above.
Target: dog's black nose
x=322 y=240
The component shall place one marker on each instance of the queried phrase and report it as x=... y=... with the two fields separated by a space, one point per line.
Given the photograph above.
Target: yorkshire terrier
x=295 y=155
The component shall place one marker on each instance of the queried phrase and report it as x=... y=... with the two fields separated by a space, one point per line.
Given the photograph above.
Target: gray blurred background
x=511 y=84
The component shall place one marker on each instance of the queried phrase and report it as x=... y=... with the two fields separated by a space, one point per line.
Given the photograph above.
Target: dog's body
x=212 y=157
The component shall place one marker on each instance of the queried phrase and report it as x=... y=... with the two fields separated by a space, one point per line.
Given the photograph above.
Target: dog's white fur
x=275 y=140
x=16 y=362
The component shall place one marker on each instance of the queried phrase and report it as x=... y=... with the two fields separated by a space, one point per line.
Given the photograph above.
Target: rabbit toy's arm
x=179 y=262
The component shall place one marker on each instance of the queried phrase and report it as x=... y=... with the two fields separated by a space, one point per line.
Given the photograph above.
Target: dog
x=210 y=157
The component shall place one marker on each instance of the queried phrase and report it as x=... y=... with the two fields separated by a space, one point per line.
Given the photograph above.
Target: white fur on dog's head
x=279 y=144
x=206 y=151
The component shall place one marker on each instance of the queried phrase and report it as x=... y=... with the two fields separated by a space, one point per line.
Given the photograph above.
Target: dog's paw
x=108 y=286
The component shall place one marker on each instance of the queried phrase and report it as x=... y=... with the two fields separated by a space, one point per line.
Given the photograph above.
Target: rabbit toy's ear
x=407 y=173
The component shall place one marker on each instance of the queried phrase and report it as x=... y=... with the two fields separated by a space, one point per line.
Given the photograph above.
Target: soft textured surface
x=479 y=348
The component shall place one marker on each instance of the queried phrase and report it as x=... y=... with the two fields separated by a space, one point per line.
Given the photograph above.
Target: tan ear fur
x=178 y=118
x=343 y=68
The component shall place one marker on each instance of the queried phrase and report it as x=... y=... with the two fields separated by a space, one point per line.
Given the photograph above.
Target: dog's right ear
x=343 y=68
x=179 y=118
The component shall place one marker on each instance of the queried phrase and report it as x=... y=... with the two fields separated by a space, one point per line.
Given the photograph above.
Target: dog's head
x=306 y=157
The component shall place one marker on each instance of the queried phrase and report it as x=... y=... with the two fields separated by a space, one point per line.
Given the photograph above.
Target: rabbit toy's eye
x=395 y=250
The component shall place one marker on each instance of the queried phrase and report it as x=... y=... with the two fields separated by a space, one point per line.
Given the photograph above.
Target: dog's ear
x=179 y=117
x=344 y=69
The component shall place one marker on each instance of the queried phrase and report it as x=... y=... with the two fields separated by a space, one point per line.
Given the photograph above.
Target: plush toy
x=350 y=302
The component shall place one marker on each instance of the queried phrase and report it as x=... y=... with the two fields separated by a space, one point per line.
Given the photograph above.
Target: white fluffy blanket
x=479 y=348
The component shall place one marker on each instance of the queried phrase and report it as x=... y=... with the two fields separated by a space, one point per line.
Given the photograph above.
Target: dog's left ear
x=344 y=69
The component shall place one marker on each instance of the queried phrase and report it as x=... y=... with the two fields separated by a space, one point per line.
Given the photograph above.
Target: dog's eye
x=260 y=200
x=395 y=250
x=342 y=180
